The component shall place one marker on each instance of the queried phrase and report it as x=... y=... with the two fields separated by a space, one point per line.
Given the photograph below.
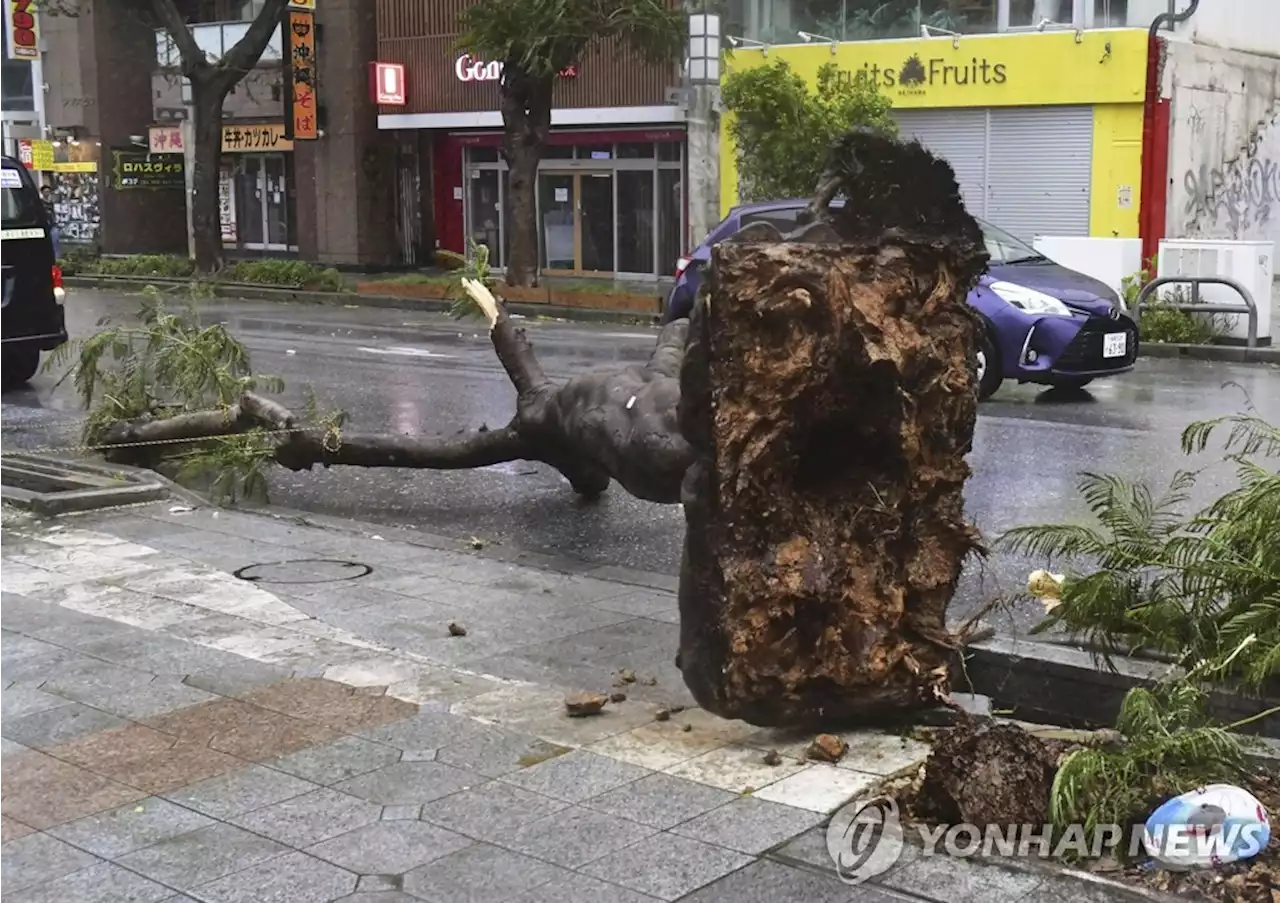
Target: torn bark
x=828 y=393
x=618 y=425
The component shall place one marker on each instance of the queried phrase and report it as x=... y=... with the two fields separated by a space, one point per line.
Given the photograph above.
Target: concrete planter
x=574 y=299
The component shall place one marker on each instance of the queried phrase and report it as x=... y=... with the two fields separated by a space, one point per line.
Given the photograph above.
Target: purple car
x=1045 y=323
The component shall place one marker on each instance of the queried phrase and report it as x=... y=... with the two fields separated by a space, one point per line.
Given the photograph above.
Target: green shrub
x=162 y=265
x=1160 y=322
x=77 y=260
x=449 y=260
x=287 y=273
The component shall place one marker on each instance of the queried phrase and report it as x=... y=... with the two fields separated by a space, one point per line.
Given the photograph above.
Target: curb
x=1233 y=353
x=246 y=292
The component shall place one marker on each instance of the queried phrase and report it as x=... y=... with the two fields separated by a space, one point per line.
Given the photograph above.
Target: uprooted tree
x=813 y=420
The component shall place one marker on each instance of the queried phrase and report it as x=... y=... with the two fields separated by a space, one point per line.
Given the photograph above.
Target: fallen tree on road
x=814 y=421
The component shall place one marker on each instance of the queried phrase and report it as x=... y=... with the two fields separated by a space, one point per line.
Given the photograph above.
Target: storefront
x=1044 y=130
x=256 y=188
x=612 y=191
x=70 y=168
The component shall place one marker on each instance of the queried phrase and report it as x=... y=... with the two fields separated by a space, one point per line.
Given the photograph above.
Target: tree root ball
x=983 y=773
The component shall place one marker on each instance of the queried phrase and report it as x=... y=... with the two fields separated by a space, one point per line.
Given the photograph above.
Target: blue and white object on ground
x=1206 y=828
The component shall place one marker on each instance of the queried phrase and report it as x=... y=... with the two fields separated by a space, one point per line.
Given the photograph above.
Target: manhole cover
x=304 y=570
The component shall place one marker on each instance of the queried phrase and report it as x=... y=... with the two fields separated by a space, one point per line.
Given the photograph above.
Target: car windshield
x=1006 y=249
x=16 y=202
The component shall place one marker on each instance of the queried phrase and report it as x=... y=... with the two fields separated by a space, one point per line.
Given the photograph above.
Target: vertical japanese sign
x=301 y=102
x=22 y=30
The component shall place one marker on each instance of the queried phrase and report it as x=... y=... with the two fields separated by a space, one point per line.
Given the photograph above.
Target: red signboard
x=386 y=81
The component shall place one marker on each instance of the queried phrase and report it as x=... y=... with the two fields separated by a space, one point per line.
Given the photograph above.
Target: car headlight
x=1030 y=300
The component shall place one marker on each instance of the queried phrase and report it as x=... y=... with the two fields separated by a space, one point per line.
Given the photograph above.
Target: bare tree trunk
x=206 y=109
x=526 y=120
x=828 y=393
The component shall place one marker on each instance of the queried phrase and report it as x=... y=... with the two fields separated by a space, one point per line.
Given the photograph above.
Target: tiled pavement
x=173 y=733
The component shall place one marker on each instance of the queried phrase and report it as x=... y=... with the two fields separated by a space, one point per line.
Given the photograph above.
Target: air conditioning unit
x=1251 y=263
x=1109 y=260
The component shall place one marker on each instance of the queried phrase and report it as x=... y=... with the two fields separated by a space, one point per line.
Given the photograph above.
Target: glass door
x=249 y=206
x=484 y=213
x=595 y=217
x=577 y=222
x=275 y=206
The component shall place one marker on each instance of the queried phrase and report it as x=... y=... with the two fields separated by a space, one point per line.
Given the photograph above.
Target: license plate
x=1115 y=344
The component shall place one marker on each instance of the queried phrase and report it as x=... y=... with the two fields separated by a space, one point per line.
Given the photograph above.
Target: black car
x=33 y=316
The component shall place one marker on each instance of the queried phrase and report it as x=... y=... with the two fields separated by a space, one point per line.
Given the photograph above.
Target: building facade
x=1044 y=129
x=612 y=189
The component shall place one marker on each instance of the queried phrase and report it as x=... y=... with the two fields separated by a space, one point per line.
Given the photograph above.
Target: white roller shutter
x=1024 y=169
x=1039 y=169
x=961 y=137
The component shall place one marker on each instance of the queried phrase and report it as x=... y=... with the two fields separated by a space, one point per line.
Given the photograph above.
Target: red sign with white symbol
x=386 y=80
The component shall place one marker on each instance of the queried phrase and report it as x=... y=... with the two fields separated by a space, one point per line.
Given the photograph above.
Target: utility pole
x=188 y=132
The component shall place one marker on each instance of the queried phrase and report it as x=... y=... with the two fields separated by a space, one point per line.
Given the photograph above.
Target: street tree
x=211 y=81
x=812 y=418
x=535 y=40
x=782 y=131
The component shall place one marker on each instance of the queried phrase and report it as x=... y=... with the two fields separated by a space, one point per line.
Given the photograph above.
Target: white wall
x=1224 y=143
x=1249 y=25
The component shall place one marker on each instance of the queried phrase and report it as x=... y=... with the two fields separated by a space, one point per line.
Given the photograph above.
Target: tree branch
x=509 y=341
x=302 y=451
x=246 y=52
x=193 y=58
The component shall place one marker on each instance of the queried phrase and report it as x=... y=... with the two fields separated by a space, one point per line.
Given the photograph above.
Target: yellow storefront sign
x=256 y=138
x=45 y=156
x=1105 y=69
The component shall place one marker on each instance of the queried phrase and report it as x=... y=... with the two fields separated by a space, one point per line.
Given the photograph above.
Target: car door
x=26 y=260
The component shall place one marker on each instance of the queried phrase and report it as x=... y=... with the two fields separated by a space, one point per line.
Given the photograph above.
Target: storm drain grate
x=51 y=486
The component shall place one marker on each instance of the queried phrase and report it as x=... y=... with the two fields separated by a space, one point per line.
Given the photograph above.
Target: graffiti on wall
x=1239 y=197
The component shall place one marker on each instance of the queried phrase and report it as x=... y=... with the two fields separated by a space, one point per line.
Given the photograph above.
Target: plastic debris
x=1207 y=827
x=290 y=351
x=181 y=509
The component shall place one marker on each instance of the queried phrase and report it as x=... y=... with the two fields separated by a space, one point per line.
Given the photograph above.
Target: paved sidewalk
x=314 y=732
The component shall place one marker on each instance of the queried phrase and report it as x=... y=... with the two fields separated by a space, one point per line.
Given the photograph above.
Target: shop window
x=670 y=218
x=1110 y=13
x=557 y=152
x=635 y=150
x=597 y=221
x=17 y=86
x=780 y=21
x=1032 y=13
x=595 y=152
x=482 y=154
x=669 y=152
x=635 y=220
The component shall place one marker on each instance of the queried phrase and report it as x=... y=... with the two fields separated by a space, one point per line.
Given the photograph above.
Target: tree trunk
x=526 y=119
x=828 y=394
x=207 y=95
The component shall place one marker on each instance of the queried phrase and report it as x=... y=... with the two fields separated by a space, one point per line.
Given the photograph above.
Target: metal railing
x=1249 y=308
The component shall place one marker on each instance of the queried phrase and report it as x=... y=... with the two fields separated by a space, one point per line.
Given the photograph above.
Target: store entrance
x=576 y=222
x=262 y=202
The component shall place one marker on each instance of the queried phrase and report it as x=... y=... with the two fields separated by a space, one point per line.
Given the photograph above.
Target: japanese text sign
x=301 y=103
x=257 y=138
x=22 y=30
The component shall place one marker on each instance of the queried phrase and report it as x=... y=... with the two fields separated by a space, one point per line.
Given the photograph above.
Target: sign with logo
x=1106 y=67
x=140 y=169
x=255 y=139
x=303 y=4
x=164 y=139
x=301 y=104
x=44 y=156
x=22 y=29
x=469 y=69
x=387 y=83
x=917 y=76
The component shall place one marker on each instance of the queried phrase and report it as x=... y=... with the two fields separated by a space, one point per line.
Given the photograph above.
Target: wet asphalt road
x=398 y=371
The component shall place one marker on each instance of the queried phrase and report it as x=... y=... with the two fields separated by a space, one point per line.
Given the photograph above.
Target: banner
x=22 y=30
x=165 y=139
x=43 y=155
x=301 y=121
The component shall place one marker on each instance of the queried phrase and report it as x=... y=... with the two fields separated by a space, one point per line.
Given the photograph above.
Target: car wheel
x=990 y=371
x=1071 y=382
x=19 y=365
